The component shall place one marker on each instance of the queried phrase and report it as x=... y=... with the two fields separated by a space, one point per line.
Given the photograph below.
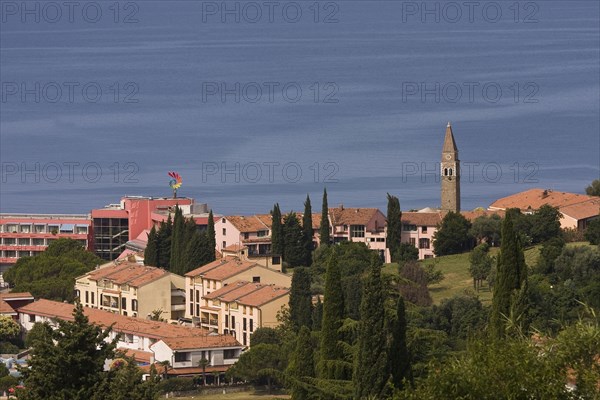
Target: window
x=198 y=309
x=229 y=354
x=183 y=356
x=38 y=228
x=11 y=241
x=246 y=235
x=224 y=231
x=428 y=255
x=226 y=322
x=191 y=295
x=251 y=310
x=256 y=279
x=123 y=303
x=244 y=325
x=262 y=233
x=424 y=243
x=87 y=296
x=25 y=228
x=233 y=322
x=197 y=296
x=381 y=239
x=357 y=231
x=251 y=324
x=38 y=242
x=191 y=308
x=134 y=305
x=93 y=299
x=24 y=242
x=409 y=227
x=276 y=260
x=244 y=318
x=82 y=229
x=413 y=241
x=31 y=318
x=224 y=244
x=244 y=341
x=11 y=228
x=423 y=229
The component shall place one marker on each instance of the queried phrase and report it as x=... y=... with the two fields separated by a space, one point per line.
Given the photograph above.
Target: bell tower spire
x=450 y=173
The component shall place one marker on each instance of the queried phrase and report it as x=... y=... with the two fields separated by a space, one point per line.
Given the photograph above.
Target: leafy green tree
x=487 y=229
x=413 y=284
x=453 y=236
x=307 y=232
x=406 y=252
x=262 y=363
x=480 y=264
x=151 y=251
x=545 y=224
x=51 y=275
x=579 y=268
x=324 y=230
x=277 y=238
x=301 y=365
x=511 y=275
x=163 y=239
x=371 y=368
x=549 y=251
x=293 y=253
x=594 y=188
x=592 y=233
x=333 y=314
x=394 y=226
x=9 y=328
x=70 y=363
x=317 y=317
x=124 y=382
x=203 y=363
x=398 y=353
x=266 y=336
x=40 y=331
x=211 y=243
x=301 y=299
x=7 y=382
x=178 y=243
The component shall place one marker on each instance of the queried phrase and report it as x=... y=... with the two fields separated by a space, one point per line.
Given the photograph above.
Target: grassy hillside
x=239 y=396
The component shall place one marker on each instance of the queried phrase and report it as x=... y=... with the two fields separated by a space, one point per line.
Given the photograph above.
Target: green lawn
x=239 y=396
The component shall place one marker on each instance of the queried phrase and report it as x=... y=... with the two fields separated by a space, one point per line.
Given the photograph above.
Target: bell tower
x=450 y=173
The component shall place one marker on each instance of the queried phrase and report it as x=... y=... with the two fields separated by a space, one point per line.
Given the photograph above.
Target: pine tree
x=177 y=242
x=151 y=251
x=211 y=238
x=307 y=232
x=164 y=243
x=300 y=299
x=371 y=370
x=333 y=314
x=399 y=358
x=394 y=225
x=276 y=231
x=293 y=250
x=324 y=234
x=317 y=315
x=511 y=274
x=301 y=365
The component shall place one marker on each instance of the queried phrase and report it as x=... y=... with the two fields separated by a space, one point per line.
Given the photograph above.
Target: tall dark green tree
x=394 y=225
x=277 y=239
x=307 y=232
x=211 y=237
x=333 y=314
x=399 y=357
x=317 y=317
x=178 y=242
x=196 y=252
x=324 y=229
x=164 y=243
x=510 y=277
x=453 y=236
x=151 y=251
x=300 y=299
x=545 y=224
x=301 y=365
x=293 y=251
x=371 y=367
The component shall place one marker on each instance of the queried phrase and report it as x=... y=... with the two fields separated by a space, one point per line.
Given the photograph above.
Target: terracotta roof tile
x=130 y=273
x=248 y=224
x=221 y=269
x=473 y=215
x=248 y=293
x=535 y=198
x=351 y=216
x=200 y=342
x=6 y=308
x=583 y=210
x=421 y=218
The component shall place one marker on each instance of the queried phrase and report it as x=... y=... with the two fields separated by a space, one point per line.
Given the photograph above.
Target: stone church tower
x=450 y=173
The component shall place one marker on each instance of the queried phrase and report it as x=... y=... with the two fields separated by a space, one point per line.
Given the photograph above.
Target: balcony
x=178 y=307
x=178 y=293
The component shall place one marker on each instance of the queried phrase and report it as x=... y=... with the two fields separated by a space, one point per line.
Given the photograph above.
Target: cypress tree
x=293 y=248
x=276 y=231
x=301 y=364
x=151 y=251
x=371 y=370
x=164 y=243
x=307 y=232
x=510 y=276
x=394 y=225
x=177 y=242
x=211 y=238
x=399 y=359
x=324 y=234
x=196 y=252
x=300 y=299
x=333 y=314
x=317 y=315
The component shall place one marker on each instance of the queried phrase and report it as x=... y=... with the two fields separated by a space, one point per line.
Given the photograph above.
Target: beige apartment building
x=131 y=289
x=213 y=276
x=241 y=307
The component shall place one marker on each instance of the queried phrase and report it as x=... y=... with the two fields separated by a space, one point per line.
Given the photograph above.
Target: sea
x=260 y=102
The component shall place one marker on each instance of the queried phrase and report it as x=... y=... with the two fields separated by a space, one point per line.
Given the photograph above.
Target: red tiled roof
x=234 y=247
x=252 y=223
x=152 y=329
x=5 y=308
x=421 y=218
x=583 y=210
x=130 y=273
x=351 y=216
x=138 y=355
x=535 y=198
x=248 y=293
x=473 y=215
x=221 y=269
x=6 y=298
x=200 y=342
